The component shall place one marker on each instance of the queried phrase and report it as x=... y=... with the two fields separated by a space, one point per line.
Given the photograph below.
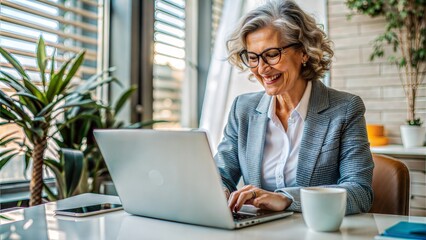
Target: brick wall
x=377 y=83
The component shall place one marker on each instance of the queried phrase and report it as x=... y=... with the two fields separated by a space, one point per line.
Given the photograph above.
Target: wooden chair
x=391 y=186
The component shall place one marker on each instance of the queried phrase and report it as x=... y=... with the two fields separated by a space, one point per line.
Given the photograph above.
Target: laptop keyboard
x=242 y=216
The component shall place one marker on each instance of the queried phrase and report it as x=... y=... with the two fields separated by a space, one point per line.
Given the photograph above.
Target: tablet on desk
x=89 y=210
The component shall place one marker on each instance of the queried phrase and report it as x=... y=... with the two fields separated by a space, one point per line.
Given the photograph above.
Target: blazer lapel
x=316 y=126
x=256 y=141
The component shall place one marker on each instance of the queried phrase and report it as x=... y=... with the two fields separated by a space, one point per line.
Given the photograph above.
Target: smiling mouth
x=272 y=79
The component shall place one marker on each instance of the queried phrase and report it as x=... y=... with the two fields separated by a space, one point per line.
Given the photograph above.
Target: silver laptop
x=172 y=175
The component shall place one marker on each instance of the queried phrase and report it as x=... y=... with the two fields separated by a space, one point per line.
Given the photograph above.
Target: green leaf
x=98 y=75
x=86 y=88
x=5 y=160
x=78 y=104
x=12 y=82
x=27 y=159
x=123 y=98
x=54 y=165
x=15 y=63
x=402 y=62
x=33 y=105
x=50 y=195
x=6 y=115
x=74 y=67
x=6 y=218
x=37 y=131
x=40 y=119
x=48 y=108
x=57 y=170
x=4 y=152
x=8 y=138
x=35 y=91
x=8 y=135
x=56 y=82
x=13 y=106
x=73 y=166
x=41 y=59
x=28 y=95
x=52 y=66
x=28 y=133
x=80 y=116
x=415 y=122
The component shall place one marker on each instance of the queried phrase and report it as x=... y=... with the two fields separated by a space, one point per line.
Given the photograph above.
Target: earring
x=304 y=64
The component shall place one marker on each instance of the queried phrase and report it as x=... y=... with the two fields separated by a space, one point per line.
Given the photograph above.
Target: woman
x=297 y=133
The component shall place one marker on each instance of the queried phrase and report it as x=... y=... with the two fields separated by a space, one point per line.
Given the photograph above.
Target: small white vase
x=412 y=136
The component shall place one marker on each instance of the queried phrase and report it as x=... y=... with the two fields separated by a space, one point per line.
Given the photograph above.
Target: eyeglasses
x=270 y=56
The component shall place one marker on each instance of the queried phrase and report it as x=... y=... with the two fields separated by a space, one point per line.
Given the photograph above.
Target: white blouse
x=281 y=151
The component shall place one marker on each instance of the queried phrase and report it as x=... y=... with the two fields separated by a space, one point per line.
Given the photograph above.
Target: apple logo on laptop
x=156 y=177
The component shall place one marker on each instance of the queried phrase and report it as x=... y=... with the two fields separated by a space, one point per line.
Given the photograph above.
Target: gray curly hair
x=295 y=26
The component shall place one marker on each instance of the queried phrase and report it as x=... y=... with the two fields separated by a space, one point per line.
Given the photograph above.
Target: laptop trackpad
x=252 y=210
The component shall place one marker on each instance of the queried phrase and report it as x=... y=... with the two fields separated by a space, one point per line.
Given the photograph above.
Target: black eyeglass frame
x=263 y=58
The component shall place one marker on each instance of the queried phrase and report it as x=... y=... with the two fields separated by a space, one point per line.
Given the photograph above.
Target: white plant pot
x=412 y=136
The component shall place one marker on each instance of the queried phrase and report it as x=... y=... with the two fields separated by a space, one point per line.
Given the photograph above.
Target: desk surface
x=400 y=150
x=40 y=223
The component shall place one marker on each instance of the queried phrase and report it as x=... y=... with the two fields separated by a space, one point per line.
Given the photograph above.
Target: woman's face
x=280 y=78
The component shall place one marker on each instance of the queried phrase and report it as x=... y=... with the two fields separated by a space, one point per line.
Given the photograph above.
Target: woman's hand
x=258 y=198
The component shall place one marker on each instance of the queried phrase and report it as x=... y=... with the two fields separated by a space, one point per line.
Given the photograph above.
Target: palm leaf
x=50 y=195
x=52 y=66
x=13 y=106
x=7 y=138
x=32 y=104
x=123 y=98
x=87 y=88
x=12 y=82
x=6 y=159
x=57 y=170
x=56 y=82
x=15 y=63
x=75 y=65
x=80 y=116
x=5 y=114
x=33 y=89
x=86 y=102
x=41 y=59
x=28 y=95
x=98 y=75
x=73 y=166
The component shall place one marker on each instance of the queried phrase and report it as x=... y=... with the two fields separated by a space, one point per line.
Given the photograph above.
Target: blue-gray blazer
x=334 y=151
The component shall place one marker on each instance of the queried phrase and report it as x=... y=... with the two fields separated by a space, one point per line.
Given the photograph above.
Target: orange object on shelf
x=375 y=130
x=378 y=141
x=376 y=136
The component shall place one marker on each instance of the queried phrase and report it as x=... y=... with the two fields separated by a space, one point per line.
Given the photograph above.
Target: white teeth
x=272 y=78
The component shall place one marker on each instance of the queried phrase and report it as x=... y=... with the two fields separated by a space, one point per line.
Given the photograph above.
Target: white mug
x=323 y=209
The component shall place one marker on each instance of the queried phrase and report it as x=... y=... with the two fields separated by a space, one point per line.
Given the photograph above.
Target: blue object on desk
x=406 y=230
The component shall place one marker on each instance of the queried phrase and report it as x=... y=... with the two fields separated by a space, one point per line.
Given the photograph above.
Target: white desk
x=399 y=150
x=40 y=223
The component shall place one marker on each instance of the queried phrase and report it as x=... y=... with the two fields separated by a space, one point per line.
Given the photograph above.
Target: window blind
x=68 y=26
x=217 y=8
x=169 y=61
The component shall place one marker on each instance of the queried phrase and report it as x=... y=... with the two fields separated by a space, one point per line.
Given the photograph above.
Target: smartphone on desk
x=89 y=210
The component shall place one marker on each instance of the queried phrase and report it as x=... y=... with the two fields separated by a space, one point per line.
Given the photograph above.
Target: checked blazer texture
x=334 y=151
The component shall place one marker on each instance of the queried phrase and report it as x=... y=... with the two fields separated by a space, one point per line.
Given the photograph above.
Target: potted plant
x=79 y=135
x=405 y=32
x=36 y=109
